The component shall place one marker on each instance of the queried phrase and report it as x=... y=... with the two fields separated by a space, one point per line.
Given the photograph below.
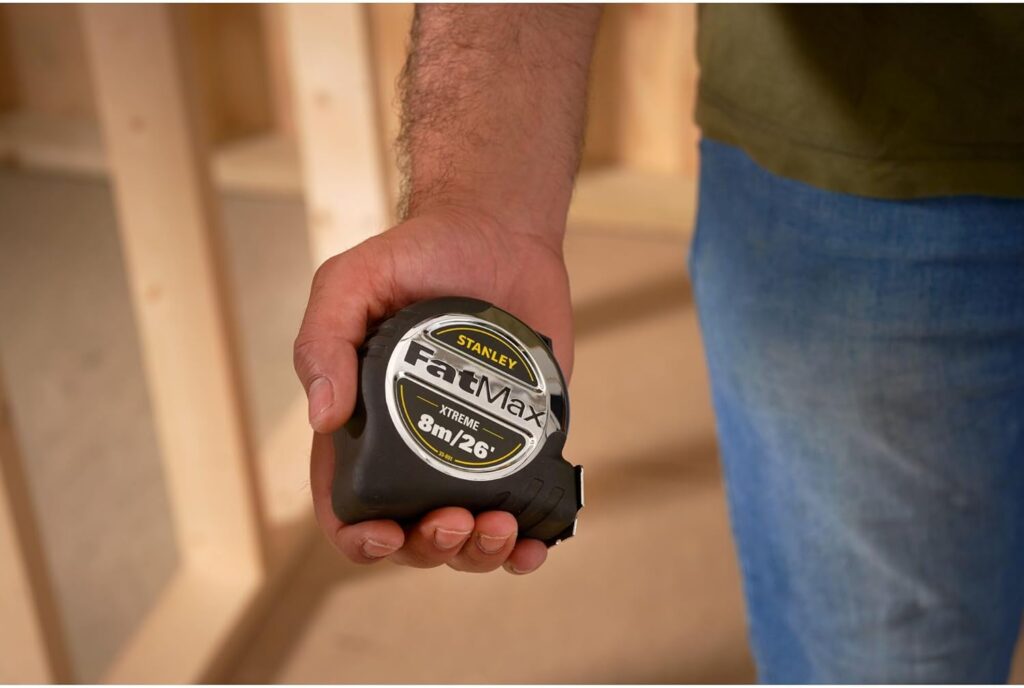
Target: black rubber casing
x=377 y=475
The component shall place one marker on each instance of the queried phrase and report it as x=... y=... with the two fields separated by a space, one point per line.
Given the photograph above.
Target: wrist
x=503 y=218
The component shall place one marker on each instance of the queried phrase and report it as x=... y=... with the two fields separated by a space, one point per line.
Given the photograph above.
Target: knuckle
x=403 y=559
x=356 y=557
x=460 y=564
x=351 y=553
x=303 y=347
x=476 y=560
x=304 y=355
x=324 y=271
x=350 y=546
x=466 y=560
x=433 y=553
x=414 y=559
x=350 y=266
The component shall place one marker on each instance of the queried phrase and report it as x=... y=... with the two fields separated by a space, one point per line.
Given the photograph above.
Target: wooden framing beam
x=338 y=133
x=657 y=88
x=171 y=243
x=153 y=135
x=389 y=29
x=32 y=645
x=275 y=47
x=333 y=76
x=642 y=90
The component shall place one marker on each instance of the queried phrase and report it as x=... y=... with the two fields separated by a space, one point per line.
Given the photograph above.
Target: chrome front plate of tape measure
x=470 y=399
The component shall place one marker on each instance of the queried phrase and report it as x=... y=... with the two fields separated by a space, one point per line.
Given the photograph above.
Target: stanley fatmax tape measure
x=459 y=404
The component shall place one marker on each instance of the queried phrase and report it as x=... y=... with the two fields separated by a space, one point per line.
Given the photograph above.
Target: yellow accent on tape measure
x=501 y=339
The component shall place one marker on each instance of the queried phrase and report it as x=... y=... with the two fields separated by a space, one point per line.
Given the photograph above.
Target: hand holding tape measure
x=440 y=421
x=460 y=404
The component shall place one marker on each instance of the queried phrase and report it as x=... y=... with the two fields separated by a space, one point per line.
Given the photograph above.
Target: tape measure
x=460 y=404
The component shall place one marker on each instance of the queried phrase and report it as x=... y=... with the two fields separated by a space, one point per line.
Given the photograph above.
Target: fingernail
x=321 y=396
x=491 y=544
x=449 y=539
x=375 y=550
x=512 y=569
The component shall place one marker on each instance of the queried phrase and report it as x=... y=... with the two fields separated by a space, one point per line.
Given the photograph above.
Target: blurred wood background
x=175 y=105
x=261 y=69
x=169 y=177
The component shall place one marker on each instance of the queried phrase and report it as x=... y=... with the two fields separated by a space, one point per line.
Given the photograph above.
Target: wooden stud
x=656 y=132
x=338 y=131
x=389 y=30
x=278 y=70
x=32 y=646
x=168 y=228
x=690 y=134
x=643 y=88
x=603 y=108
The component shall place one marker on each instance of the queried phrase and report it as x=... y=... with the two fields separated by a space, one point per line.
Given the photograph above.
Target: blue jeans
x=867 y=368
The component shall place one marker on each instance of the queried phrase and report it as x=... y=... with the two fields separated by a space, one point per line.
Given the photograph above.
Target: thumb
x=333 y=326
x=327 y=369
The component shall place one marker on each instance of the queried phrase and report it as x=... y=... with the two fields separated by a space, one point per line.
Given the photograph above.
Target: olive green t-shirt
x=893 y=101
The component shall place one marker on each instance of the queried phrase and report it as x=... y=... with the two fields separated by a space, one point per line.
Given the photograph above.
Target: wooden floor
x=648 y=592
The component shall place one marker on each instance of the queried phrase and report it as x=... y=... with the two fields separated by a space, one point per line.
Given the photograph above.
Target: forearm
x=494 y=98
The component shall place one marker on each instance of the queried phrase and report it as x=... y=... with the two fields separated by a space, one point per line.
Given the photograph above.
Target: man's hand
x=423 y=258
x=492 y=120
